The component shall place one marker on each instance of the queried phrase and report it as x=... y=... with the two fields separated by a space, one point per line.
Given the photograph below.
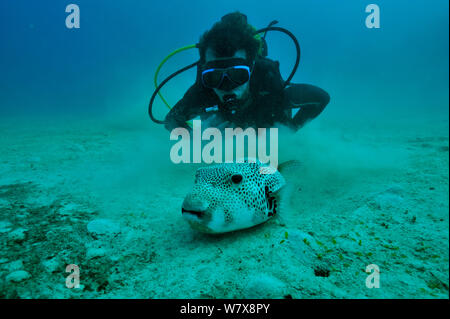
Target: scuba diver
x=238 y=86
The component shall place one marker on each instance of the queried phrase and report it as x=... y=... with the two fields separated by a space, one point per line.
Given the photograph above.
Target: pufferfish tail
x=284 y=194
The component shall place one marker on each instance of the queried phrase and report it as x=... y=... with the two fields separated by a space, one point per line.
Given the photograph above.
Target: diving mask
x=225 y=74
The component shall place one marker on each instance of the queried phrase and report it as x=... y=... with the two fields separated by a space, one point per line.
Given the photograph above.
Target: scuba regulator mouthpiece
x=230 y=100
x=230 y=103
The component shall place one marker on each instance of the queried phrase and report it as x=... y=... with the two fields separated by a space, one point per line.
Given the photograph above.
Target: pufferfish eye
x=237 y=178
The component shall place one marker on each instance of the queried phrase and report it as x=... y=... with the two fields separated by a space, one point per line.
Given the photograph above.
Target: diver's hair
x=230 y=34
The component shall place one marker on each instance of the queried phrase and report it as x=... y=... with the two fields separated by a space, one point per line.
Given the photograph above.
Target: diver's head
x=227 y=55
x=228 y=76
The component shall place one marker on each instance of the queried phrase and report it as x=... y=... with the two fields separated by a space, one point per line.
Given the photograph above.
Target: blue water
x=108 y=64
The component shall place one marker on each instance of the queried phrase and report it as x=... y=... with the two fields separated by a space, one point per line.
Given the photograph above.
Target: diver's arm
x=186 y=109
x=309 y=98
x=177 y=116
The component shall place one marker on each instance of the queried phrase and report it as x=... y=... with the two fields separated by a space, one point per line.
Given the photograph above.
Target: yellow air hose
x=192 y=46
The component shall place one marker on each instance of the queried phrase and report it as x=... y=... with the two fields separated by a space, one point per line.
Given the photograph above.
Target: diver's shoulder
x=266 y=77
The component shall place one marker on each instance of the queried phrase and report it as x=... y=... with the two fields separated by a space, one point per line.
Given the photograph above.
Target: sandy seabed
x=107 y=198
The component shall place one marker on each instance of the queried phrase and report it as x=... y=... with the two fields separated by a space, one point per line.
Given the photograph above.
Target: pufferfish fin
x=278 y=189
x=289 y=165
x=274 y=181
x=273 y=185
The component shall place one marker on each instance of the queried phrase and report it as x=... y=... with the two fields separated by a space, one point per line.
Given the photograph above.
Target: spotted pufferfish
x=233 y=196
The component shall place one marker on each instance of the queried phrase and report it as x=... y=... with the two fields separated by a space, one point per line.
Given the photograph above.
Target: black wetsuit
x=269 y=102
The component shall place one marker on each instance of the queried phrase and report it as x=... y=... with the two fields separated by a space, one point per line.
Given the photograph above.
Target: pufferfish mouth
x=197 y=213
